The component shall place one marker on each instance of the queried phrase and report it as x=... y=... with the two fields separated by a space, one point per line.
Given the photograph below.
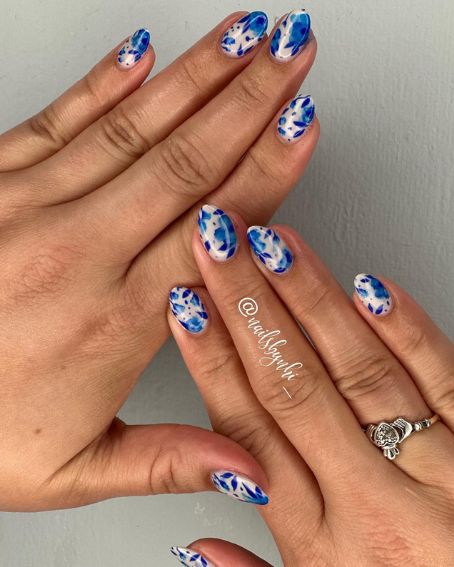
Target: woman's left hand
x=300 y=408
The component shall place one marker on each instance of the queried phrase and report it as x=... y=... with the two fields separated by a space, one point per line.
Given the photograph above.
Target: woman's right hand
x=97 y=198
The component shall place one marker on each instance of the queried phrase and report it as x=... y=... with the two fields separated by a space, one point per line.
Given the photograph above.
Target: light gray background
x=377 y=197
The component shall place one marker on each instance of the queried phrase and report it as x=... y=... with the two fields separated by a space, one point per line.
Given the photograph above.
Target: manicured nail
x=217 y=233
x=191 y=558
x=188 y=309
x=133 y=50
x=373 y=294
x=291 y=36
x=270 y=249
x=296 y=118
x=245 y=34
x=239 y=487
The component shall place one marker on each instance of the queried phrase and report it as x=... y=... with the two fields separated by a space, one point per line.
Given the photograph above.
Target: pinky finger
x=217 y=553
x=413 y=337
x=82 y=104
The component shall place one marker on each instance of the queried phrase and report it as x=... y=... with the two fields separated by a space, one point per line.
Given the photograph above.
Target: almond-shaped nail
x=373 y=294
x=296 y=119
x=191 y=558
x=133 y=49
x=270 y=249
x=239 y=487
x=188 y=309
x=245 y=34
x=291 y=36
x=217 y=233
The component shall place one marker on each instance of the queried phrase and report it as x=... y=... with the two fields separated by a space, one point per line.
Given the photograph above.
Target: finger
x=144 y=119
x=195 y=159
x=274 y=166
x=54 y=127
x=420 y=345
x=235 y=412
x=157 y=459
x=284 y=371
x=370 y=378
x=216 y=553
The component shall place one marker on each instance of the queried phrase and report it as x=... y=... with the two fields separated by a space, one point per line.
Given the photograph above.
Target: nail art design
x=270 y=249
x=217 y=233
x=190 y=558
x=239 y=487
x=296 y=118
x=291 y=36
x=188 y=309
x=245 y=34
x=373 y=294
x=134 y=49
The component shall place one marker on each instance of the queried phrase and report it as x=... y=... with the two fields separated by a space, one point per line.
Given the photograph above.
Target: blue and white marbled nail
x=291 y=36
x=373 y=294
x=190 y=558
x=245 y=34
x=270 y=249
x=188 y=309
x=239 y=487
x=134 y=49
x=217 y=232
x=296 y=118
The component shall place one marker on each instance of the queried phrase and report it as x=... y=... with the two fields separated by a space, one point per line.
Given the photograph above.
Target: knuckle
x=248 y=430
x=271 y=172
x=443 y=395
x=367 y=376
x=186 y=169
x=250 y=91
x=45 y=124
x=191 y=73
x=208 y=368
x=314 y=298
x=305 y=395
x=49 y=271
x=119 y=134
x=90 y=84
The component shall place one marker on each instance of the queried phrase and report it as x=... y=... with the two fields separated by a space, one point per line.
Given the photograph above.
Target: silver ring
x=387 y=436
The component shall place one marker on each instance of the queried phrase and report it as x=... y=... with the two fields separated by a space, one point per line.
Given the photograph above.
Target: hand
x=334 y=498
x=96 y=199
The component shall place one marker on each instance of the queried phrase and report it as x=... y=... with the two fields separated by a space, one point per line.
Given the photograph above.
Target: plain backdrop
x=378 y=197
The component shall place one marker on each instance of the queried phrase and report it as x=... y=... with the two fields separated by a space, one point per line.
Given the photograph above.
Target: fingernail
x=296 y=118
x=270 y=249
x=291 y=36
x=133 y=50
x=217 y=233
x=190 y=558
x=245 y=34
x=373 y=294
x=188 y=309
x=239 y=487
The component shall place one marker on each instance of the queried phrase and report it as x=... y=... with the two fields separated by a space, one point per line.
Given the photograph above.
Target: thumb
x=158 y=459
x=217 y=553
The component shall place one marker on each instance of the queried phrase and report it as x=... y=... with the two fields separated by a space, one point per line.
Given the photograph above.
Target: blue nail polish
x=270 y=249
x=373 y=294
x=217 y=233
x=245 y=34
x=133 y=50
x=296 y=118
x=190 y=558
x=188 y=309
x=291 y=36
x=239 y=487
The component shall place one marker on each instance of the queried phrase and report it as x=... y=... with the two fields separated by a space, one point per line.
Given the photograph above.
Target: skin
x=334 y=498
x=98 y=196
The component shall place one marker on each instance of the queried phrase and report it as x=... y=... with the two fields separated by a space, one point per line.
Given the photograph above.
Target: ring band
x=387 y=436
